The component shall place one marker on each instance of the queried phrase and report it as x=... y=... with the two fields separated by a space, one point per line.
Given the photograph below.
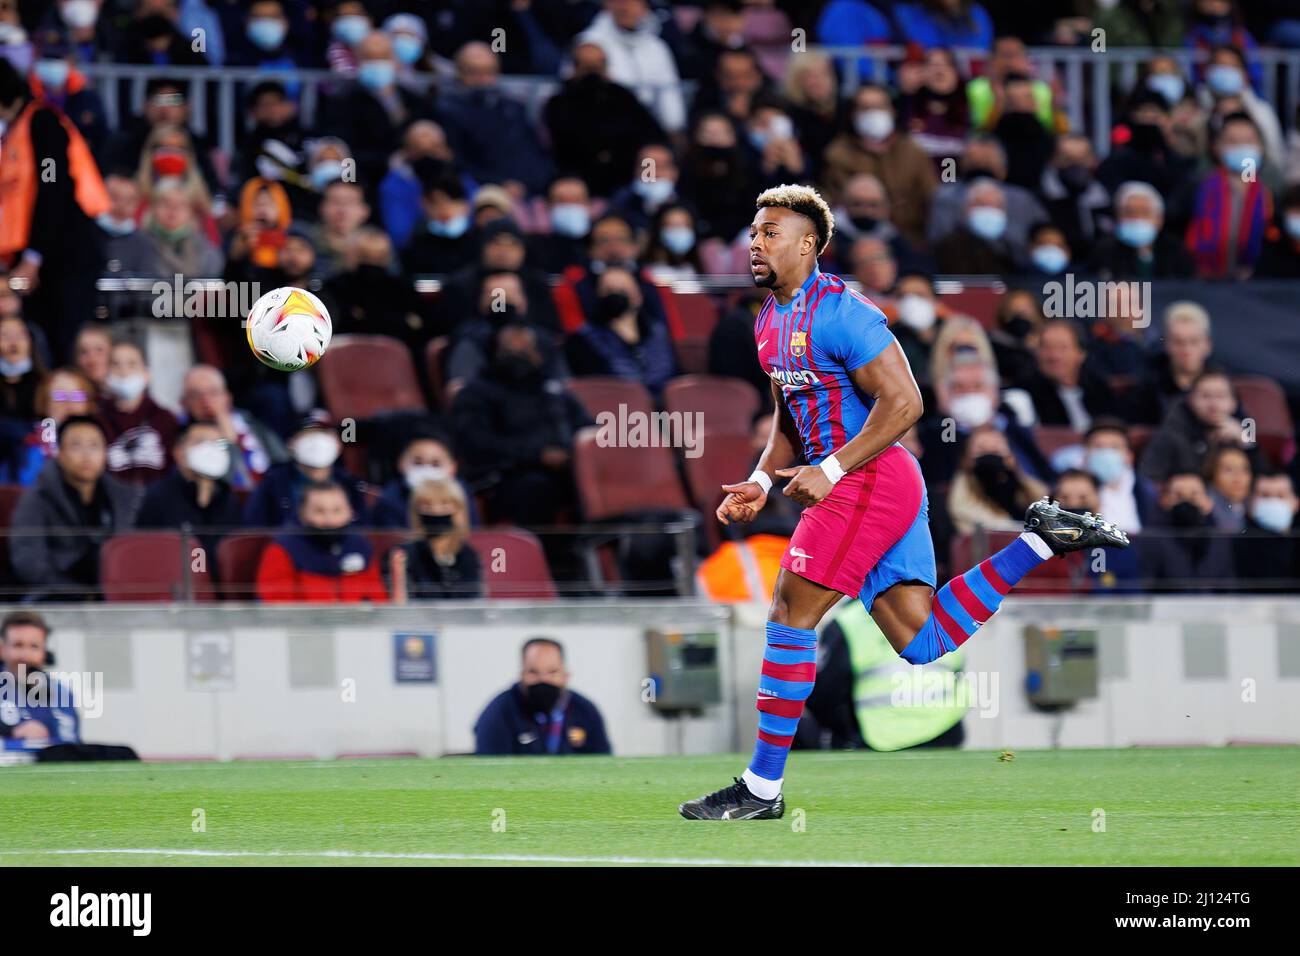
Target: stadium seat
x=9 y=495
x=514 y=564
x=980 y=302
x=151 y=566
x=238 y=556
x=727 y=404
x=1067 y=575
x=1263 y=400
x=614 y=481
x=726 y=458
x=435 y=360
x=367 y=375
x=699 y=314
x=1052 y=438
x=601 y=393
x=1139 y=436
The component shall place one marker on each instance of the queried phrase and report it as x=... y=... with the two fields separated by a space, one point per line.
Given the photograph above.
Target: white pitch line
x=458 y=857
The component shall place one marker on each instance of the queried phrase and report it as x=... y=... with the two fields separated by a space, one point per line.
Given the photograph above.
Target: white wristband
x=760 y=477
x=832 y=468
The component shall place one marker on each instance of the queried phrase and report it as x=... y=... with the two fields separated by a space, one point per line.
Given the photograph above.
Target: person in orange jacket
x=324 y=561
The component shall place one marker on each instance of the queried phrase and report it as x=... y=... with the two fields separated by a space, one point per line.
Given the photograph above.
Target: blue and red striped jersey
x=810 y=346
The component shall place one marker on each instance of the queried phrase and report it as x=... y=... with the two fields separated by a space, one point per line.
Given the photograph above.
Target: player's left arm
x=887 y=378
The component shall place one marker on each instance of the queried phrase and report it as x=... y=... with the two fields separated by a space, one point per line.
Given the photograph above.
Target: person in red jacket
x=323 y=562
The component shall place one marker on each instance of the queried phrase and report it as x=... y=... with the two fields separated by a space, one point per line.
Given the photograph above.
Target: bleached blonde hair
x=806 y=201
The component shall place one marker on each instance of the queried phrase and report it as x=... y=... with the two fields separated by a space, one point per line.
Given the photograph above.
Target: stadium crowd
x=558 y=239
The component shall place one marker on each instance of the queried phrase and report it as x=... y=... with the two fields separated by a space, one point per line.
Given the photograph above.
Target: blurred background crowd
x=524 y=214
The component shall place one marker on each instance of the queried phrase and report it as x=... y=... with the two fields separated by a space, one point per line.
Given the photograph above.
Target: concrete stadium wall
x=229 y=682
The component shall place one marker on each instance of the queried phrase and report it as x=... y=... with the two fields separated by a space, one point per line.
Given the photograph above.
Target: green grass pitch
x=1161 y=807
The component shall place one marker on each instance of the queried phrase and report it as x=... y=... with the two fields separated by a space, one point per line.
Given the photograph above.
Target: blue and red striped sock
x=789 y=672
x=964 y=603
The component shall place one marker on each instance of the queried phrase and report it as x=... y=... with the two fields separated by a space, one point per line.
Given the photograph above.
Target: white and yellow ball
x=289 y=329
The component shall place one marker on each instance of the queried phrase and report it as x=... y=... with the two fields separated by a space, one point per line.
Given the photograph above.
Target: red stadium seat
x=514 y=564
x=238 y=556
x=151 y=566
x=1263 y=400
x=600 y=393
x=726 y=458
x=980 y=302
x=728 y=404
x=699 y=314
x=1139 y=436
x=435 y=364
x=1052 y=438
x=614 y=481
x=364 y=375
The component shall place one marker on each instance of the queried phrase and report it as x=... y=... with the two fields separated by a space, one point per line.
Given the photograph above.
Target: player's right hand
x=744 y=501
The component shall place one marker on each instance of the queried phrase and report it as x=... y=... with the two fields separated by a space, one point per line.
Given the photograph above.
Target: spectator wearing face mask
x=984 y=158
x=1050 y=253
x=268 y=41
x=314 y=449
x=874 y=145
x=399 y=190
x=370 y=113
x=917 y=317
x=612 y=244
x=673 y=251
x=128 y=251
x=568 y=212
x=716 y=178
x=1126 y=498
x=621 y=339
x=1197 y=424
x=1079 y=205
x=447 y=241
x=140 y=431
x=54 y=79
x=1227 y=77
x=322 y=560
x=1140 y=249
x=514 y=429
x=539 y=714
x=653 y=185
x=990 y=490
x=195 y=492
x=154 y=38
x=1108 y=569
x=1180 y=546
x=969 y=398
x=369 y=297
x=426 y=457
x=638 y=58
x=1233 y=209
x=589 y=108
x=1268 y=553
x=349 y=23
x=978 y=245
x=21 y=373
x=74 y=490
x=773 y=149
x=1280 y=258
x=1029 y=144
x=1228 y=476
x=254 y=448
x=864 y=212
x=439 y=564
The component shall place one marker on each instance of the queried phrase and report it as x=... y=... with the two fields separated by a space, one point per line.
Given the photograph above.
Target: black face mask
x=508 y=315
x=519 y=369
x=542 y=698
x=1075 y=178
x=996 y=480
x=979 y=172
x=1186 y=515
x=326 y=539
x=864 y=223
x=610 y=306
x=1146 y=138
x=1020 y=128
x=436 y=524
x=1017 y=326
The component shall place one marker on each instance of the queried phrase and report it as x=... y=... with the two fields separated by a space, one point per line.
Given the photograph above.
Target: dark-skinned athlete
x=844 y=396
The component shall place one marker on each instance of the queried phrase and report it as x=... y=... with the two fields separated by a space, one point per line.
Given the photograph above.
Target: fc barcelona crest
x=798 y=343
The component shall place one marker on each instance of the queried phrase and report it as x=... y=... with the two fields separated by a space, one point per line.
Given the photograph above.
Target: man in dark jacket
x=1268 y=552
x=195 y=493
x=1064 y=389
x=1181 y=546
x=539 y=714
x=72 y=492
x=597 y=126
x=514 y=431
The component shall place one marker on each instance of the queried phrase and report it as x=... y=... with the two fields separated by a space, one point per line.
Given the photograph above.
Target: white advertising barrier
x=224 y=682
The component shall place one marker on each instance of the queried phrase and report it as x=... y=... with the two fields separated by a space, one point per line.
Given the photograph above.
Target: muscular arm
x=888 y=379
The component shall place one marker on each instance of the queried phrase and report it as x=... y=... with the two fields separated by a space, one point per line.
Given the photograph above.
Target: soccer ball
x=289 y=329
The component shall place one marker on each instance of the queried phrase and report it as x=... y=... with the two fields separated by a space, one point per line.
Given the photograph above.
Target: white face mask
x=316 y=449
x=972 y=409
x=211 y=459
x=874 y=124
x=127 y=387
x=417 y=475
x=916 y=312
x=79 y=14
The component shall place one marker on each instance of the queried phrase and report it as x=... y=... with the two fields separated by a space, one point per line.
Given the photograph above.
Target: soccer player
x=844 y=395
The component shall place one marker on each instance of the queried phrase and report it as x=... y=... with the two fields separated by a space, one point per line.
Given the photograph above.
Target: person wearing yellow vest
x=863 y=691
x=50 y=195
